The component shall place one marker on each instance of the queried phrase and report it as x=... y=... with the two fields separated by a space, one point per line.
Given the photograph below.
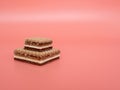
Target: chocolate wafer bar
x=36 y=57
x=38 y=44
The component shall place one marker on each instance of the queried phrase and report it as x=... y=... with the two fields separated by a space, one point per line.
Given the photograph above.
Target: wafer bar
x=38 y=44
x=36 y=57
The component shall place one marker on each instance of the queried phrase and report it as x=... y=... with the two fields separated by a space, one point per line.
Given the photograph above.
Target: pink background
x=86 y=31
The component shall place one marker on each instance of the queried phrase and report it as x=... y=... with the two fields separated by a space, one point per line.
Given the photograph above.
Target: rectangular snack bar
x=36 y=57
x=38 y=44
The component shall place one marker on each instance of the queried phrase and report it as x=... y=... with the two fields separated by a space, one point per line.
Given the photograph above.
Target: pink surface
x=86 y=32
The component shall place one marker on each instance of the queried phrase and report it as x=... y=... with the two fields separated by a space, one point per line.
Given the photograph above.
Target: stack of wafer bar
x=37 y=50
